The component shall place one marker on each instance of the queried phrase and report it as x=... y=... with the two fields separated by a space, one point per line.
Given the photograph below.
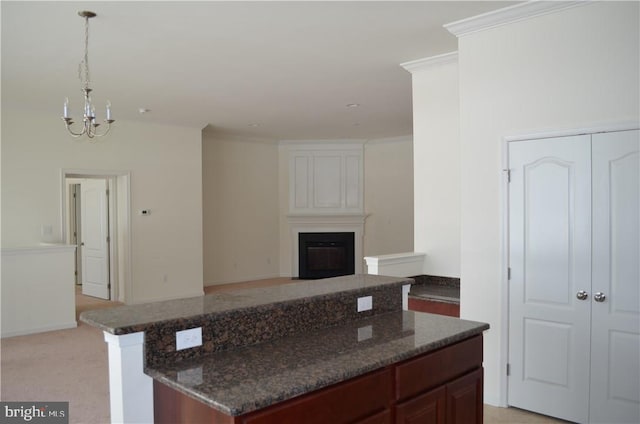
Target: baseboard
x=24 y=332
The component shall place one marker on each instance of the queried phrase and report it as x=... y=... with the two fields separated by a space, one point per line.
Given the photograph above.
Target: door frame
x=504 y=235
x=74 y=232
x=119 y=184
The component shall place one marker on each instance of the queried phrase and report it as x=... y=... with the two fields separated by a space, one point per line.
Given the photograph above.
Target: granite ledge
x=243 y=380
x=436 y=288
x=134 y=318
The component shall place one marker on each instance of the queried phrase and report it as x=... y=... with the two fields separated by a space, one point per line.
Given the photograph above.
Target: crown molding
x=390 y=140
x=511 y=14
x=346 y=142
x=427 y=62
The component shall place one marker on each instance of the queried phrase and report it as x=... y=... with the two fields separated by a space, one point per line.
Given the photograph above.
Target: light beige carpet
x=66 y=365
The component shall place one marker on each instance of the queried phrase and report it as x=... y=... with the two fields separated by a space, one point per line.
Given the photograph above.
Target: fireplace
x=324 y=255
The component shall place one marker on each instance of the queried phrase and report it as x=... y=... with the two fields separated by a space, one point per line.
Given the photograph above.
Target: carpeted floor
x=72 y=365
x=66 y=365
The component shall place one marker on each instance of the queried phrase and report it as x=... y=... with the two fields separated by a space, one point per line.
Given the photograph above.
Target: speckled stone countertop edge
x=441 y=299
x=122 y=330
x=367 y=365
x=89 y=317
x=436 y=288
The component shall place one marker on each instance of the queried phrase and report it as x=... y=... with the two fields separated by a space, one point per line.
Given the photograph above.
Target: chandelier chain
x=83 y=66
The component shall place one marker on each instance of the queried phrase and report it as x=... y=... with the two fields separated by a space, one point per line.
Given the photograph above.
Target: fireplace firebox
x=324 y=255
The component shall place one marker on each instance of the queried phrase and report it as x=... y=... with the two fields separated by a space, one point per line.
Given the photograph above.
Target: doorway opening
x=96 y=218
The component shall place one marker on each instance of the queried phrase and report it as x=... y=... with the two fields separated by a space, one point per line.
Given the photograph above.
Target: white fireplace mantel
x=326 y=194
x=327 y=223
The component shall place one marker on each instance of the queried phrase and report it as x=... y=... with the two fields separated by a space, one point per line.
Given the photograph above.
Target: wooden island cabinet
x=442 y=386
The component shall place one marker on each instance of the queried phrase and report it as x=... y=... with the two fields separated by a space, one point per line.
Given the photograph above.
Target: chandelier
x=90 y=126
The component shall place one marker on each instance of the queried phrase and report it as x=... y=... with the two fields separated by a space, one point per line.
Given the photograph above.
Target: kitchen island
x=333 y=350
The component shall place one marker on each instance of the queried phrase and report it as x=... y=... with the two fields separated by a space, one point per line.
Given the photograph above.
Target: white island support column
x=131 y=390
x=408 y=264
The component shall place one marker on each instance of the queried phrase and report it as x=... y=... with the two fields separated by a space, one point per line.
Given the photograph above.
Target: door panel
x=550 y=260
x=95 y=248
x=547 y=363
x=615 y=372
x=547 y=232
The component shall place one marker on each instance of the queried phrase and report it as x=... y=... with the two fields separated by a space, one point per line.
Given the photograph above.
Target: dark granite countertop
x=439 y=289
x=246 y=379
x=133 y=318
x=436 y=292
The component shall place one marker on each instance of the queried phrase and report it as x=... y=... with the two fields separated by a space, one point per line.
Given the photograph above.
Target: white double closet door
x=574 y=257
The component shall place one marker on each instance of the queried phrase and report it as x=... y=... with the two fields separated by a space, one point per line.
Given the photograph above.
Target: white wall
x=388 y=196
x=436 y=164
x=38 y=289
x=241 y=212
x=166 y=176
x=570 y=69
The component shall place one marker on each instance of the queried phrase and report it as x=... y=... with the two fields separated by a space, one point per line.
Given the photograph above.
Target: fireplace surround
x=327 y=254
x=326 y=224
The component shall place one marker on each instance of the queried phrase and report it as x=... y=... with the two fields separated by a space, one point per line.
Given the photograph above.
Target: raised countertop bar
x=134 y=318
x=247 y=379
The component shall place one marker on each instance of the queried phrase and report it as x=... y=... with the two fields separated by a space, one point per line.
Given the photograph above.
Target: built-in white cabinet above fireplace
x=326 y=179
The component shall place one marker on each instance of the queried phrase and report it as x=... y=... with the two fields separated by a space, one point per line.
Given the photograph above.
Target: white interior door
x=615 y=371
x=94 y=241
x=550 y=261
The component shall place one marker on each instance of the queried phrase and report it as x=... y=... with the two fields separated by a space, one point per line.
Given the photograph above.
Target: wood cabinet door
x=348 y=402
x=464 y=399
x=428 y=408
x=383 y=417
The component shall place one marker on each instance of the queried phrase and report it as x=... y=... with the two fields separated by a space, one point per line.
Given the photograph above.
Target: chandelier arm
x=74 y=134
x=95 y=132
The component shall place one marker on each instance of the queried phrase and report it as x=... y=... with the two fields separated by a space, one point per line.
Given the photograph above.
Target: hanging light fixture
x=90 y=126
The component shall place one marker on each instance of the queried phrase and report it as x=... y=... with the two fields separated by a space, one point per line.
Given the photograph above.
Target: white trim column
x=131 y=390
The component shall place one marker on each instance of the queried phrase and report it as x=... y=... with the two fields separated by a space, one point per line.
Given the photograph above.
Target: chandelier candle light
x=90 y=126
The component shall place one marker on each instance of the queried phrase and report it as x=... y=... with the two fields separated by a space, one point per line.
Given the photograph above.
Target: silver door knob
x=582 y=295
x=599 y=297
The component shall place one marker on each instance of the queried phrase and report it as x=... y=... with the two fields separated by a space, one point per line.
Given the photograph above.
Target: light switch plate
x=189 y=338
x=365 y=303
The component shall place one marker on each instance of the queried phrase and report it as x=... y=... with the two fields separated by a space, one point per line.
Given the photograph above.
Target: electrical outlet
x=365 y=303
x=189 y=338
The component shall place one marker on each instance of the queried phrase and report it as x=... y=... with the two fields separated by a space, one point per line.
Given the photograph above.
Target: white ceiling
x=289 y=67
